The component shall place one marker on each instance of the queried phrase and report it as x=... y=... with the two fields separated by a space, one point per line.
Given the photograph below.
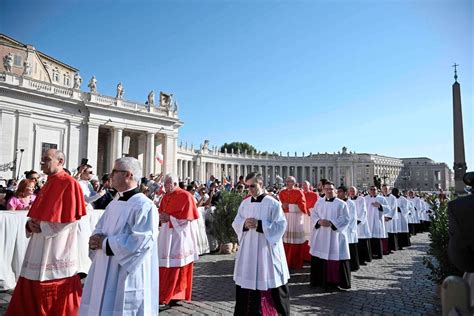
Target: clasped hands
x=251 y=223
x=164 y=217
x=376 y=204
x=95 y=241
x=325 y=223
x=33 y=225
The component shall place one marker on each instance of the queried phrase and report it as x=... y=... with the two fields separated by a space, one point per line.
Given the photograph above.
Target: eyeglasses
x=371 y=189
x=117 y=170
x=253 y=186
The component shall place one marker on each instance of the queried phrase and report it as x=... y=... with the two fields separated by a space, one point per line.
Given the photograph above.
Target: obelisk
x=460 y=166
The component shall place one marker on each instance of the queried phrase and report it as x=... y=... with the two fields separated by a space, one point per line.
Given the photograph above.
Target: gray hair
x=174 y=178
x=130 y=164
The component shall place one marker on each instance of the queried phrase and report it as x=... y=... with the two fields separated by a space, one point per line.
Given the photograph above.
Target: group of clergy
x=338 y=229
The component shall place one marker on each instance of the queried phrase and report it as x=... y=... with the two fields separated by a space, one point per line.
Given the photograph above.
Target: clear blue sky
x=374 y=76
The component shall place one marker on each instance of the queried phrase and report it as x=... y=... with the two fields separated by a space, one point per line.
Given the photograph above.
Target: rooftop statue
x=93 y=85
x=77 y=81
x=8 y=62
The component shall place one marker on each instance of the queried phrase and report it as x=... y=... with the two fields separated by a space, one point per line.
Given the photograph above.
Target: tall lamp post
x=19 y=164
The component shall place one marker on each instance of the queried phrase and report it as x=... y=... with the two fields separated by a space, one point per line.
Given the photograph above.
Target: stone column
x=169 y=152
x=7 y=139
x=25 y=141
x=185 y=170
x=150 y=153
x=72 y=156
x=92 y=140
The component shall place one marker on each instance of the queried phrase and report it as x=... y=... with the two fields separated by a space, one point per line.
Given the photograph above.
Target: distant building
x=348 y=168
x=424 y=174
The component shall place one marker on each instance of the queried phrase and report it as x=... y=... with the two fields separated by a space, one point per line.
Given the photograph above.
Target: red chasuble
x=311 y=199
x=294 y=196
x=60 y=200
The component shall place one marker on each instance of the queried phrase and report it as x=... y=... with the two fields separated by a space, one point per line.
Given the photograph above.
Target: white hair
x=174 y=178
x=130 y=164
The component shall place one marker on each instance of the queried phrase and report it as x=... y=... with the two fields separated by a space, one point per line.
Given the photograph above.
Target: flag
x=159 y=155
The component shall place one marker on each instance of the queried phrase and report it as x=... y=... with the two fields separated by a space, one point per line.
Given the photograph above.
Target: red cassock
x=60 y=201
x=176 y=283
x=311 y=199
x=294 y=251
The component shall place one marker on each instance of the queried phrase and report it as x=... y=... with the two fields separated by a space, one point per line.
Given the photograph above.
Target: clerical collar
x=258 y=199
x=387 y=194
x=126 y=195
x=344 y=199
x=353 y=197
x=330 y=200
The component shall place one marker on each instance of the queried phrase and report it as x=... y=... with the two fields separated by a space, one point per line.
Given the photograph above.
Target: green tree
x=238 y=146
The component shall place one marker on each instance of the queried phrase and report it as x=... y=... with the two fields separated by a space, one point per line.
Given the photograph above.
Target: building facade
x=423 y=174
x=42 y=106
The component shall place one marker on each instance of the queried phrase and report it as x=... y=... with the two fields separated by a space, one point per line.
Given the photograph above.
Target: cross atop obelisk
x=459 y=157
x=455 y=71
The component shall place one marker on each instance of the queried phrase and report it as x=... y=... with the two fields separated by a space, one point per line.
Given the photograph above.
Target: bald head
x=52 y=161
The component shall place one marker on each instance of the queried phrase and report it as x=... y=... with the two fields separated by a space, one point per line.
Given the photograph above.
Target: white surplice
x=352 y=237
x=402 y=221
x=260 y=263
x=363 y=229
x=178 y=244
x=55 y=240
x=417 y=208
x=125 y=283
x=327 y=243
x=390 y=225
x=376 y=217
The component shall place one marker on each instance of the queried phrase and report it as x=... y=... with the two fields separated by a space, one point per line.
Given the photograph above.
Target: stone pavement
x=394 y=285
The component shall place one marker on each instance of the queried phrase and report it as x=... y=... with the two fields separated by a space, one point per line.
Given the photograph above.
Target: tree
x=238 y=147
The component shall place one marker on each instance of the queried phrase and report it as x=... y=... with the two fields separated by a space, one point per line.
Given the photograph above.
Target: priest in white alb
x=123 y=278
x=363 y=230
x=377 y=207
x=403 y=233
x=352 y=228
x=260 y=272
x=391 y=217
x=330 y=262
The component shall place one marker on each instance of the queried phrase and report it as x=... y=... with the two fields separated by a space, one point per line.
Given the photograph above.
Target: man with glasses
x=49 y=276
x=377 y=209
x=294 y=206
x=330 y=261
x=123 y=278
x=260 y=273
x=85 y=176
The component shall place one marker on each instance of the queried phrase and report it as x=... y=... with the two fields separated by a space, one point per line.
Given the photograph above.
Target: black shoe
x=174 y=303
x=163 y=307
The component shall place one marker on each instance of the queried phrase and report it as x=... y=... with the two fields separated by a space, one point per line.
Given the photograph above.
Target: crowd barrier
x=13 y=241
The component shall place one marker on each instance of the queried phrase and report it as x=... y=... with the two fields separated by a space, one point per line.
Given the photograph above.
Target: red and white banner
x=159 y=154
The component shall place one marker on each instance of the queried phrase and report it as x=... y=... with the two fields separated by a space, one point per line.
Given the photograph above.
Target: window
x=17 y=60
x=67 y=80
x=56 y=75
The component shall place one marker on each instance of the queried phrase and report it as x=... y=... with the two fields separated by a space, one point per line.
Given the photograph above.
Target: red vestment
x=311 y=199
x=176 y=283
x=294 y=251
x=60 y=201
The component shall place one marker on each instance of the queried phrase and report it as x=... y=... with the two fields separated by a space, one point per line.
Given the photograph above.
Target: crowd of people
x=144 y=246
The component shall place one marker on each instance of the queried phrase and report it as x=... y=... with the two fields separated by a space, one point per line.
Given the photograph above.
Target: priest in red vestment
x=177 y=243
x=294 y=207
x=311 y=199
x=49 y=283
